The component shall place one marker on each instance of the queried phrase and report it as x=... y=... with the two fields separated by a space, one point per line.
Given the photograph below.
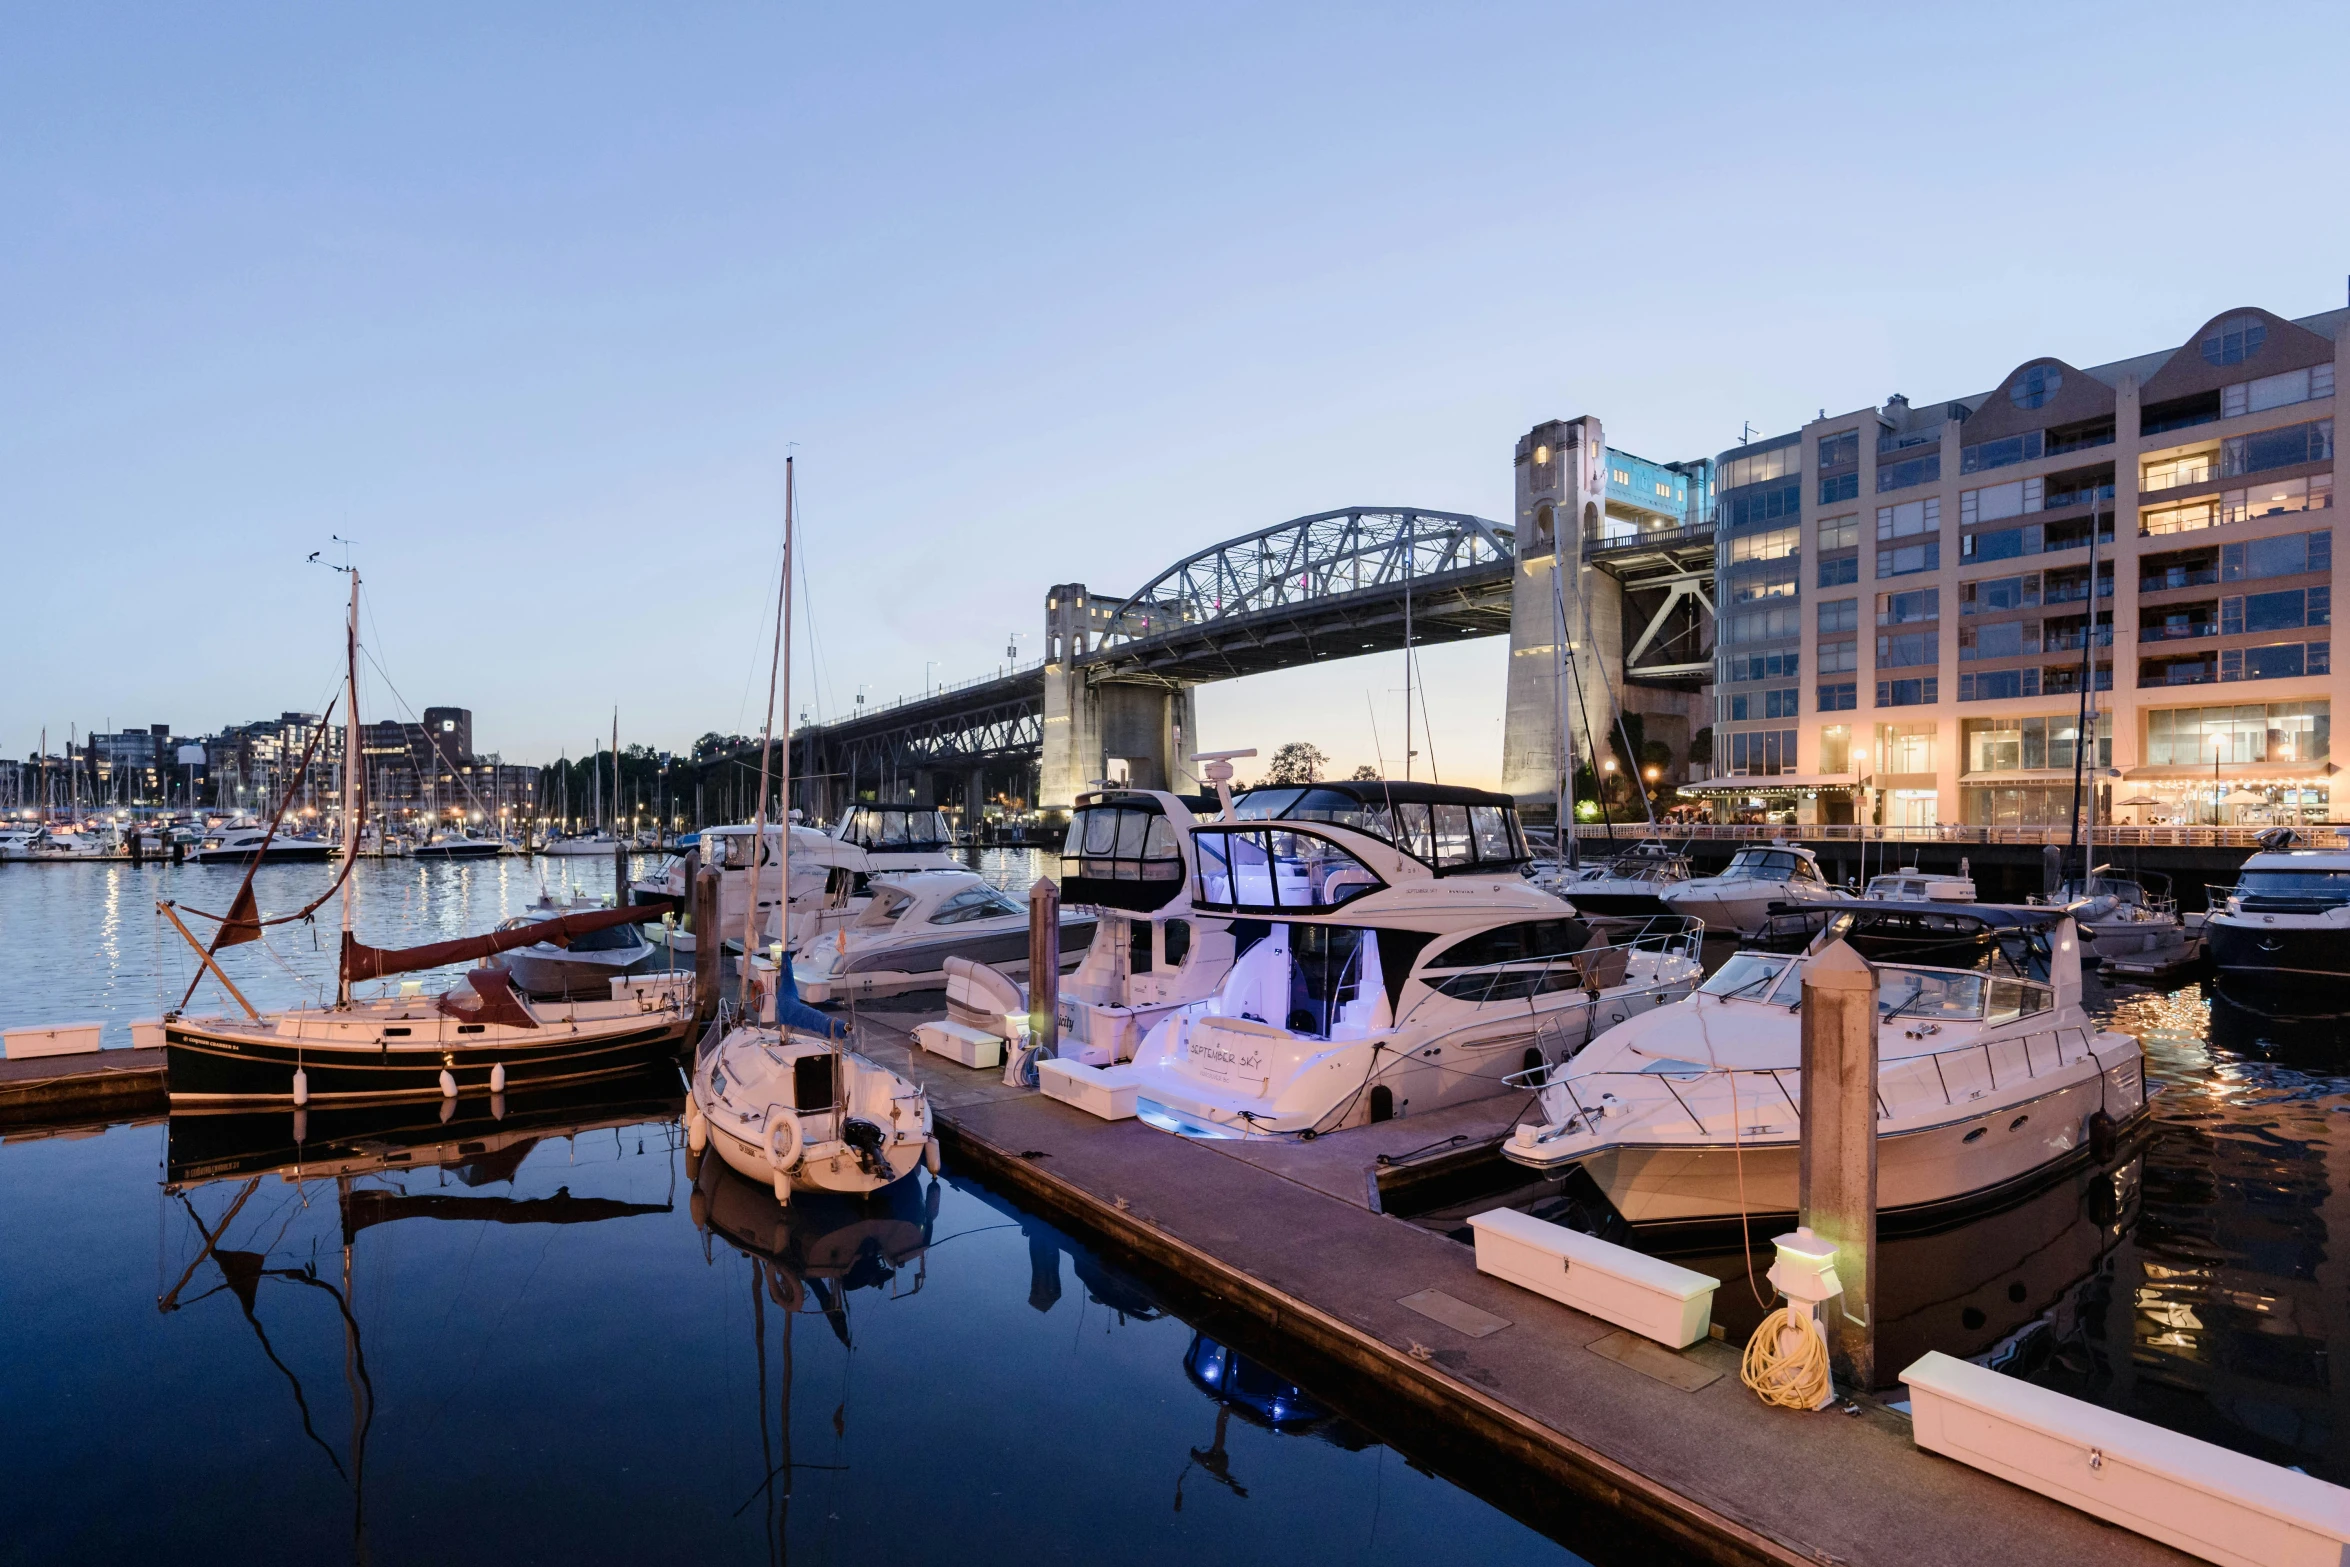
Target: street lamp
x=2219 y=743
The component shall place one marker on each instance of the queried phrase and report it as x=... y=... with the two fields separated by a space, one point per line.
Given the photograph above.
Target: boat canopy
x=1451 y=830
x=1123 y=852
x=892 y=829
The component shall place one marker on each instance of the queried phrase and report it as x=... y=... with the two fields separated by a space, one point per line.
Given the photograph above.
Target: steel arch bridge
x=1329 y=585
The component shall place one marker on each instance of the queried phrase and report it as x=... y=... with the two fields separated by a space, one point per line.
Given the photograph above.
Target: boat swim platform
x=1605 y=1438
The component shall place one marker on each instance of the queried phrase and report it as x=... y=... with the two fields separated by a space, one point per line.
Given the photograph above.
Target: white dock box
x=1106 y=1091
x=974 y=1047
x=2222 y=1506
x=147 y=1033
x=52 y=1039
x=1654 y=1298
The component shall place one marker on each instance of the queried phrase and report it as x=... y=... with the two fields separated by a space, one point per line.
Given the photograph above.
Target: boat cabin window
x=974 y=903
x=1933 y=994
x=2012 y=998
x=895 y=831
x=1275 y=870
x=1769 y=865
x=735 y=850
x=1178 y=942
x=1444 y=836
x=2295 y=884
x=1519 y=943
x=1121 y=843
x=612 y=938
x=1754 y=976
x=888 y=903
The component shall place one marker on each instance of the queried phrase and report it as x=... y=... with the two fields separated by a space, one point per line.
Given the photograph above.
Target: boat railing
x=1950 y=1077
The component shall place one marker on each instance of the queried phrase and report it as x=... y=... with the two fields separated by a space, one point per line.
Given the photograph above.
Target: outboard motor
x=864 y=1140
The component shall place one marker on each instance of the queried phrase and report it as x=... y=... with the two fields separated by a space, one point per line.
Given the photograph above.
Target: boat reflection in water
x=1261 y=1398
x=812 y=1254
x=259 y=1255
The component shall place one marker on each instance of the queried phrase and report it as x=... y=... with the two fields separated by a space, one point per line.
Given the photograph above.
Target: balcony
x=2199 y=671
x=2077 y=592
x=2177 y=577
x=2180 y=632
x=2070 y=641
x=2178 y=475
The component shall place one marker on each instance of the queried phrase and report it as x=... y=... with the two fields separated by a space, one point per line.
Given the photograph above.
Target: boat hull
x=228 y=1065
x=1619 y=904
x=2301 y=954
x=290 y=854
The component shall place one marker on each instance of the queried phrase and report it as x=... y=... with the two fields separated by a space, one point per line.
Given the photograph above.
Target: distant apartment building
x=1904 y=594
x=430 y=768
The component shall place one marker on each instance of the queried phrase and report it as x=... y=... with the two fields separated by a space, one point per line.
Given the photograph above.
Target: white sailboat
x=785 y=1101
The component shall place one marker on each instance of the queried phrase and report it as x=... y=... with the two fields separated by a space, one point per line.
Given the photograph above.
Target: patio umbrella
x=2140 y=798
x=2243 y=797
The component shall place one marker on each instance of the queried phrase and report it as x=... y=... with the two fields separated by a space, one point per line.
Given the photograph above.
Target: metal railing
x=2317 y=836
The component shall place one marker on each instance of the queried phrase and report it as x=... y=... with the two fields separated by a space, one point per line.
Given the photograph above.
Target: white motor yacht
x=1739 y=899
x=829 y=870
x=593 y=845
x=16 y=843
x=912 y=923
x=1391 y=961
x=1916 y=886
x=458 y=845
x=2124 y=916
x=1631 y=884
x=2286 y=921
x=252 y=840
x=578 y=967
x=1691 y=1114
x=1128 y=856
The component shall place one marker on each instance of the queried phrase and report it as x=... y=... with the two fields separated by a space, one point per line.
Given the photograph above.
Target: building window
x=2235 y=340
x=1840 y=572
x=2035 y=386
x=2250 y=732
x=1774 y=582
x=2275 y=661
x=1839 y=657
x=1996 y=595
x=1764 y=753
x=2288 y=609
x=1774 y=545
x=1901 y=609
x=1840 y=615
x=2278 y=498
x=1999 y=685
x=1835 y=746
x=1760 y=506
x=2002 y=453
x=1764 y=625
x=1839 y=697
x=1841 y=450
x=1908 y=560
x=1909 y=519
x=1840 y=487
x=2188 y=518
x=1909 y=649
x=2280 y=448
x=1993 y=502
x=1917 y=470
x=1756 y=467
x=1782 y=665
x=1905 y=748
x=2276 y=391
x=2287 y=555
x=2170 y=473
x=2027 y=745
x=1840 y=533
x=1908 y=693
x=2001 y=639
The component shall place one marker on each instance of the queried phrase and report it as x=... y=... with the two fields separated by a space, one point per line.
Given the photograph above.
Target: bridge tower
x=1094 y=722
x=1561 y=489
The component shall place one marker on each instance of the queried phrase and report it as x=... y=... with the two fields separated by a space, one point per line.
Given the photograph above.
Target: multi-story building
x=1910 y=600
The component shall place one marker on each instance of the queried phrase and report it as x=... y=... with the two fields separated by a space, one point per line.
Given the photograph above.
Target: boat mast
x=616 y=773
x=766 y=743
x=351 y=755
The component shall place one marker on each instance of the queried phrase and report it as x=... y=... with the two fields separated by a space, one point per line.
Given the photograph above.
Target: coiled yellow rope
x=1786 y=1362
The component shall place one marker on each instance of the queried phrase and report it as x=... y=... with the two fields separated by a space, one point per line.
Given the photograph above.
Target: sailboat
x=477 y=1036
x=780 y=1097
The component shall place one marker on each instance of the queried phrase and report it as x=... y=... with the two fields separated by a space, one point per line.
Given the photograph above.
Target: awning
x=1783 y=783
x=2230 y=772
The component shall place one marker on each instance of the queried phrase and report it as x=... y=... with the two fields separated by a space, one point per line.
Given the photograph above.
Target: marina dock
x=47 y=1089
x=1286 y=1234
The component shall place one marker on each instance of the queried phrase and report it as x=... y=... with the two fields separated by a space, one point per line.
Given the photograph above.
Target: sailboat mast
x=766 y=744
x=351 y=755
x=615 y=774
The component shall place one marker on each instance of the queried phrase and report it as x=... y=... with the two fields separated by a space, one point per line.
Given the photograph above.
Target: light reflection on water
x=84 y=942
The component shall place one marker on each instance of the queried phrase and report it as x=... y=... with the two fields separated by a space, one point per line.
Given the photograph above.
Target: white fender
x=930 y=1155
x=498 y=1078
x=448 y=1084
x=697 y=1127
x=301 y=1090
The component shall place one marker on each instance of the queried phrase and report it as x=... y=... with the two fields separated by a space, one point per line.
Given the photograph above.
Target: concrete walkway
x=1671 y=1439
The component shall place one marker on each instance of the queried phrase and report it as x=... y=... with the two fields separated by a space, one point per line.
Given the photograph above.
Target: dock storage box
x=1654 y=1298
x=147 y=1033
x=2222 y=1506
x=961 y=1042
x=53 y=1039
x=1106 y=1091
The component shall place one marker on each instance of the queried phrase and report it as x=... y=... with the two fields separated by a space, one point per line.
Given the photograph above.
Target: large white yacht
x=2286 y=921
x=829 y=870
x=1128 y=856
x=1392 y=960
x=253 y=840
x=1691 y=1114
x=1739 y=899
x=1631 y=883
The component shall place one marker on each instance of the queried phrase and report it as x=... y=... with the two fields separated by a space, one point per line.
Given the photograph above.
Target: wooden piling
x=709 y=946
x=2051 y=871
x=1839 y=1161
x=621 y=896
x=1044 y=968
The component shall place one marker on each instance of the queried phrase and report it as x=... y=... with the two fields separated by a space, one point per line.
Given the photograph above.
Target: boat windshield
x=1122 y=843
x=1756 y=976
x=734 y=849
x=895 y=831
x=2334 y=885
x=1442 y=835
x=1769 y=865
x=1272 y=870
x=1928 y=993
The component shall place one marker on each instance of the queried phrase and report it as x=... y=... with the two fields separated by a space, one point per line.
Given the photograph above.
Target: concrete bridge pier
x=1091 y=724
x=1561 y=495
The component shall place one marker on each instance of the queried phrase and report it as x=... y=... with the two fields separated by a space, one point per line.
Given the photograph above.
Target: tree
x=1364 y=773
x=1297 y=762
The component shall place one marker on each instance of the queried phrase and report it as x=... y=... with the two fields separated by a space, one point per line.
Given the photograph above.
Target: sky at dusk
x=530 y=303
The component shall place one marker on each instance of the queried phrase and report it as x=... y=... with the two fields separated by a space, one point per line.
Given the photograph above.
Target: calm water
x=548 y=1339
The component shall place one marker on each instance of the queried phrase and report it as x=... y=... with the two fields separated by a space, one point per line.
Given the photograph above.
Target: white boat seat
x=1603 y=968
x=979 y=996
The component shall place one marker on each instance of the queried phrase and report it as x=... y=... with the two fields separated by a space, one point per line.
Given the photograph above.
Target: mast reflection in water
x=529 y=1331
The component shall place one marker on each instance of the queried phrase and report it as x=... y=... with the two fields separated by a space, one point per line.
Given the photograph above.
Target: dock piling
x=620 y=893
x=1044 y=968
x=709 y=949
x=2051 y=871
x=1838 y=1194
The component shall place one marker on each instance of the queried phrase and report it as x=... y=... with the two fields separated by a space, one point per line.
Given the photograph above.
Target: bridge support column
x=1072 y=749
x=1561 y=494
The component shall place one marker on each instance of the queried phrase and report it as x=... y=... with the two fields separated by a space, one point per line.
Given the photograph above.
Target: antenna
x=1219 y=770
x=1746 y=431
